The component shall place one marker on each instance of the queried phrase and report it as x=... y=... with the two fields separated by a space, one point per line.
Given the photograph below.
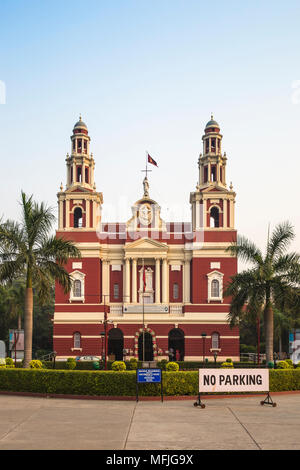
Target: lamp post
x=215 y=357
x=203 y=340
x=102 y=334
x=105 y=322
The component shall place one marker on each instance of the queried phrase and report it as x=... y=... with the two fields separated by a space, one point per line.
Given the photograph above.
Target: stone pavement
x=225 y=424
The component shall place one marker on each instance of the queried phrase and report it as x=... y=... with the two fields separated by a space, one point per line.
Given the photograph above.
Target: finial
x=80 y=117
x=231 y=187
x=61 y=186
x=212 y=116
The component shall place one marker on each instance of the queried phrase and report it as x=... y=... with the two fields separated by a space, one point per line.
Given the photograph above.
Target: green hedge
x=110 y=383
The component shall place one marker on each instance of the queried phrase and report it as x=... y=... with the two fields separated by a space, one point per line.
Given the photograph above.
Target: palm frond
x=246 y=251
x=282 y=236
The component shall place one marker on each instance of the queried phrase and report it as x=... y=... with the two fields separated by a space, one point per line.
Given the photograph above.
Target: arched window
x=215 y=288
x=77 y=218
x=215 y=341
x=77 y=288
x=214 y=217
x=175 y=291
x=77 y=340
x=77 y=291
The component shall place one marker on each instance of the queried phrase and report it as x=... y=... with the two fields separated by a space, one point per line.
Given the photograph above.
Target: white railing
x=176 y=309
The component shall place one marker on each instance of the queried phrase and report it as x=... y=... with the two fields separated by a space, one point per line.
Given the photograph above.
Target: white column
x=87 y=213
x=204 y=213
x=157 y=281
x=197 y=214
x=83 y=172
x=231 y=224
x=105 y=281
x=134 y=280
x=224 y=213
x=67 y=213
x=186 y=282
x=127 y=280
x=74 y=172
x=61 y=208
x=165 y=282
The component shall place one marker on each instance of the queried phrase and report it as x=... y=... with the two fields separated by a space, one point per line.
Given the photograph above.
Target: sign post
x=144 y=376
x=234 y=380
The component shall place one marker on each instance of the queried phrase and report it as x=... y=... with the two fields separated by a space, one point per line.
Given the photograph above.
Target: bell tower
x=79 y=204
x=212 y=202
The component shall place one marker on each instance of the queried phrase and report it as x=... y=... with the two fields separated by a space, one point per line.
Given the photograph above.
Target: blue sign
x=149 y=375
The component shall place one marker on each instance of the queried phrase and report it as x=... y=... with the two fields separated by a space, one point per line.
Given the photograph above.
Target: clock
x=145 y=214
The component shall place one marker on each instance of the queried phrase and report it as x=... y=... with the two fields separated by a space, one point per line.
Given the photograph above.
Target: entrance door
x=176 y=344
x=116 y=343
x=148 y=347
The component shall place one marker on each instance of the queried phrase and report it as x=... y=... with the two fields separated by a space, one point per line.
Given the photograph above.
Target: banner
x=233 y=380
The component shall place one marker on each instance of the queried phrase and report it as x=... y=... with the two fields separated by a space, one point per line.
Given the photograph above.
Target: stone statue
x=146 y=187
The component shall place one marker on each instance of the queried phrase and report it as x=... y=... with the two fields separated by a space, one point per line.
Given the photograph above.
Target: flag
x=151 y=160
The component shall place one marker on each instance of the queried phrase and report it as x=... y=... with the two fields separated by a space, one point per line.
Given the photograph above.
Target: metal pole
x=258 y=339
x=143 y=312
x=105 y=331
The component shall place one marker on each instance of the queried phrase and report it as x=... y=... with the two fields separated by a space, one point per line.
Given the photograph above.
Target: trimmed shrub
x=227 y=365
x=172 y=367
x=133 y=363
x=282 y=365
x=2 y=363
x=163 y=364
x=290 y=363
x=9 y=362
x=71 y=363
x=118 y=365
x=110 y=383
x=35 y=364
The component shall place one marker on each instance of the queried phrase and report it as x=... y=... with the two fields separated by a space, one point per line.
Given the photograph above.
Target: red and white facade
x=168 y=277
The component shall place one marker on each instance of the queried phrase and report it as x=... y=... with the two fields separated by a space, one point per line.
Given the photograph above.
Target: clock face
x=145 y=214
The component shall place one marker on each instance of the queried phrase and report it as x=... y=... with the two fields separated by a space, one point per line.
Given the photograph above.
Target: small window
x=77 y=218
x=175 y=291
x=77 y=340
x=77 y=288
x=215 y=288
x=116 y=291
x=215 y=341
x=214 y=218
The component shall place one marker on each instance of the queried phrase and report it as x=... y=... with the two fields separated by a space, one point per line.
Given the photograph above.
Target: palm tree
x=271 y=278
x=27 y=250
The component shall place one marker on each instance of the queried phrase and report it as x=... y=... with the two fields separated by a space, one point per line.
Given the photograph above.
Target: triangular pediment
x=146 y=244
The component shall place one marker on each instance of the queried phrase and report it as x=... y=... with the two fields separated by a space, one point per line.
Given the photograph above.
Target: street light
x=215 y=357
x=203 y=339
x=102 y=334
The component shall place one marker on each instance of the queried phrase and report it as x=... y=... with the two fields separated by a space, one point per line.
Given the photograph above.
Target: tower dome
x=80 y=124
x=212 y=126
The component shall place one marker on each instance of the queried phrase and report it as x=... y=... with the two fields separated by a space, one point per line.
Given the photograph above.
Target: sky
x=146 y=76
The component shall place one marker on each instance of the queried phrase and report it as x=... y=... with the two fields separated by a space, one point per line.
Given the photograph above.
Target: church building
x=146 y=287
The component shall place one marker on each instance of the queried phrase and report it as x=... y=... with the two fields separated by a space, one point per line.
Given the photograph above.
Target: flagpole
x=143 y=313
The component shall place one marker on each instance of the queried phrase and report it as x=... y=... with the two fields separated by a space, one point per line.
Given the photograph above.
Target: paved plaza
x=224 y=424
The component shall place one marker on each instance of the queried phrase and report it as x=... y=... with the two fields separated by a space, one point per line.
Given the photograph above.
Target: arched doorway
x=116 y=343
x=148 y=347
x=176 y=343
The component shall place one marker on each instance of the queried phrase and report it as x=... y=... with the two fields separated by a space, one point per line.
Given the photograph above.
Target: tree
x=272 y=277
x=27 y=249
